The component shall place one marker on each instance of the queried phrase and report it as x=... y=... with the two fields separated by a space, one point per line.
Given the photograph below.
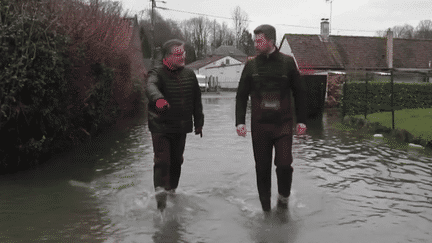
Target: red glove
x=301 y=129
x=162 y=104
x=241 y=130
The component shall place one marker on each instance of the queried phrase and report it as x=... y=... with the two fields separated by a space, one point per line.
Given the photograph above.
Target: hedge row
x=57 y=78
x=362 y=98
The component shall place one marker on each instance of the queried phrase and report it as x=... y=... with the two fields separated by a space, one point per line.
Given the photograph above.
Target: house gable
x=203 y=62
x=285 y=48
x=224 y=61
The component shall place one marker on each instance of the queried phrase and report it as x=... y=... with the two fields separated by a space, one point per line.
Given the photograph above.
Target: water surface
x=347 y=187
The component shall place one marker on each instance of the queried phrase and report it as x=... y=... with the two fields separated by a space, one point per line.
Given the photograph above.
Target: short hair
x=268 y=31
x=166 y=47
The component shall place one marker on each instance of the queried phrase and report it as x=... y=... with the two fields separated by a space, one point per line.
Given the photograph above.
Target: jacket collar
x=272 y=55
x=172 y=71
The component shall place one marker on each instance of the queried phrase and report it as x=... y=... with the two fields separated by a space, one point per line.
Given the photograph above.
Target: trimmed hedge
x=376 y=97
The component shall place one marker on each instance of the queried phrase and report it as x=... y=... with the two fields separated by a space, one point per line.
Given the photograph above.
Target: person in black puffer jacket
x=174 y=108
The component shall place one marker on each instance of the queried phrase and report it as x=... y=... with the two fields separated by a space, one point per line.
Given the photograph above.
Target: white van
x=202 y=81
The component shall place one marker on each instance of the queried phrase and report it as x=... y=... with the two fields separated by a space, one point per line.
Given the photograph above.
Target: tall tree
x=247 y=43
x=220 y=34
x=225 y=36
x=241 y=23
x=190 y=53
x=197 y=32
x=406 y=31
x=230 y=38
x=164 y=30
x=214 y=29
x=382 y=33
x=145 y=42
x=189 y=48
x=424 y=30
x=111 y=7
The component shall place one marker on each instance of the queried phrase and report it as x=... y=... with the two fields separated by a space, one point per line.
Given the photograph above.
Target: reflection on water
x=347 y=187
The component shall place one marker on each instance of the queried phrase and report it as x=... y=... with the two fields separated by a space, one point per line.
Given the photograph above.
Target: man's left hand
x=301 y=128
x=198 y=130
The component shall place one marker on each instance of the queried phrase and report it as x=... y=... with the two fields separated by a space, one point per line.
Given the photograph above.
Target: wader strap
x=255 y=73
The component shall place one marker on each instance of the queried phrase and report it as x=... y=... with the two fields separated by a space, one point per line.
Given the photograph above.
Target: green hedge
x=45 y=104
x=360 y=98
x=33 y=87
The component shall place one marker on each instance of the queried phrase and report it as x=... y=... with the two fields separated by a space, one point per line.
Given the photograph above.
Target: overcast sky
x=348 y=17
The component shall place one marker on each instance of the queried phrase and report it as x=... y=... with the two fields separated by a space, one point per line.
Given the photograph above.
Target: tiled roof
x=221 y=52
x=241 y=59
x=201 y=63
x=343 y=52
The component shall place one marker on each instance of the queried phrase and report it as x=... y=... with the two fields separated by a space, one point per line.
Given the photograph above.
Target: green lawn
x=418 y=122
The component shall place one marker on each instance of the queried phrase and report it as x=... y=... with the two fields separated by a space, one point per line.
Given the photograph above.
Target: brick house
x=323 y=53
x=324 y=58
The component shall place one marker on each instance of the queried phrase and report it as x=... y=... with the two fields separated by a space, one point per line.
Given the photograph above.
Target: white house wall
x=218 y=63
x=285 y=48
x=228 y=76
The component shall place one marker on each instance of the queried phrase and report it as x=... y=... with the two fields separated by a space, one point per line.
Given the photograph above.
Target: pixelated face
x=262 y=45
x=177 y=57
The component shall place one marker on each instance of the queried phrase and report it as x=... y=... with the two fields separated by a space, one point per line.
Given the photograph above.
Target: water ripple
x=371 y=181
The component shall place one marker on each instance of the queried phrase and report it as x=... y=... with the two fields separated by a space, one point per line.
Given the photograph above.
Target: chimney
x=390 y=49
x=325 y=29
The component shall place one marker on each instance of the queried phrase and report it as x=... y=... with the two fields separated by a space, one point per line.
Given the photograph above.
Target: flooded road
x=347 y=187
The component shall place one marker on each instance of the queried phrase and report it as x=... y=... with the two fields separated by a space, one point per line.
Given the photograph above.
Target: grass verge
x=411 y=125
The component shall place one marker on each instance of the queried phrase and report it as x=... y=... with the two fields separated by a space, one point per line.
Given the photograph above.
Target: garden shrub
x=33 y=87
x=64 y=76
x=334 y=92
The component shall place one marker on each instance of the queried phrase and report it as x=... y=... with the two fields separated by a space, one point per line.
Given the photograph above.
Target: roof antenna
x=331 y=1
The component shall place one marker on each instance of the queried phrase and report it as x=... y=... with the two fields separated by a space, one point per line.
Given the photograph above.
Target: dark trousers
x=168 y=151
x=264 y=138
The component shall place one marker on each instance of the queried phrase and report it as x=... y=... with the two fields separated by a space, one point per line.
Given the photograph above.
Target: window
x=227 y=61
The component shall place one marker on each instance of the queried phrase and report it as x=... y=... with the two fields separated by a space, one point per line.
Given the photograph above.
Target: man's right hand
x=241 y=130
x=162 y=104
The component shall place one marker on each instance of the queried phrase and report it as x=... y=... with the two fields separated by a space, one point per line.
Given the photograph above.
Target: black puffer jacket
x=180 y=88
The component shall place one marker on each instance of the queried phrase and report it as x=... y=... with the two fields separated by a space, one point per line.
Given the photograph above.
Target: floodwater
x=347 y=187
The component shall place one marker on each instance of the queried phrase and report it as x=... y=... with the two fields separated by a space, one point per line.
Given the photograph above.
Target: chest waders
x=270 y=89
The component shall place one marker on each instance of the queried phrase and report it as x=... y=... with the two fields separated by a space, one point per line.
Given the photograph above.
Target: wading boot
x=282 y=203
x=171 y=193
x=161 y=198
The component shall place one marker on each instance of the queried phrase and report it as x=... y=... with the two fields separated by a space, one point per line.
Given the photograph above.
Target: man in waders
x=174 y=108
x=269 y=79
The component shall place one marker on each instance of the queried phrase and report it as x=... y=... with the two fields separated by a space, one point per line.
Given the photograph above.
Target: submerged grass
x=418 y=122
x=411 y=125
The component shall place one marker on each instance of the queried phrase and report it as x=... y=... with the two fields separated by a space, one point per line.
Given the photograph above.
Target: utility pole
x=153 y=29
x=152 y=32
